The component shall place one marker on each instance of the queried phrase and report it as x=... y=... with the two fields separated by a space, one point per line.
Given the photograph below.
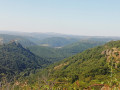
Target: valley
x=79 y=63
x=59 y=44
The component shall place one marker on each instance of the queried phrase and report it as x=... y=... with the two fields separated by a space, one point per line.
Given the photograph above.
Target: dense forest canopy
x=95 y=66
x=56 y=54
x=14 y=59
x=65 y=63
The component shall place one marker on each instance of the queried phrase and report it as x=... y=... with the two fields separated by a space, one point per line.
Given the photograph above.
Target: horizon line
x=53 y=33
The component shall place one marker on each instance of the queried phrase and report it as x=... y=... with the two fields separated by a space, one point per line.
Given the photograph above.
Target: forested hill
x=56 y=54
x=15 y=59
x=96 y=66
x=5 y=38
x=58 y=41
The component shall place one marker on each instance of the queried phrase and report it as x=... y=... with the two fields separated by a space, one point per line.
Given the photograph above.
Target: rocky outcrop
x=112 y=55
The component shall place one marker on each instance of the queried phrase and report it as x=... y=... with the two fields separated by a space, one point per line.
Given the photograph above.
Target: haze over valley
x=59 y=45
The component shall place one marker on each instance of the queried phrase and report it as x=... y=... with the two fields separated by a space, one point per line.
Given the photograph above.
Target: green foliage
x=55 y=54
x=89 y=69
x=58 y=41
x=47 y=53
x=22 y=40
x=84 y=69
x=113 y=44
x=15 y=59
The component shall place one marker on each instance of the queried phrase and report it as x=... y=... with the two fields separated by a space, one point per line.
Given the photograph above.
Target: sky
x=77 y=17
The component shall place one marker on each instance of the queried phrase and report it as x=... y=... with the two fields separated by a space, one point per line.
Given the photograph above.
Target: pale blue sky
x=80 y=17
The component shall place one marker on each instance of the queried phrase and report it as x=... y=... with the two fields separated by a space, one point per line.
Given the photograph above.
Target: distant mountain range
x=48 y=39
x=5 y=38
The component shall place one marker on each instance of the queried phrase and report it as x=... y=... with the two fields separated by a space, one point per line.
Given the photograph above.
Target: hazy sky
x=81 y=17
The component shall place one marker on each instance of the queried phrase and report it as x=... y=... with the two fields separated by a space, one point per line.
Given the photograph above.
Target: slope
x=94 y=68
x=79 y=46
x=15 y=59
x=47 y=53
x=56 y=54
x=57 y=41
x=4 y=38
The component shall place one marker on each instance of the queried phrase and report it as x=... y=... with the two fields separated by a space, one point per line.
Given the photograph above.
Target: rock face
x=112 y=55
